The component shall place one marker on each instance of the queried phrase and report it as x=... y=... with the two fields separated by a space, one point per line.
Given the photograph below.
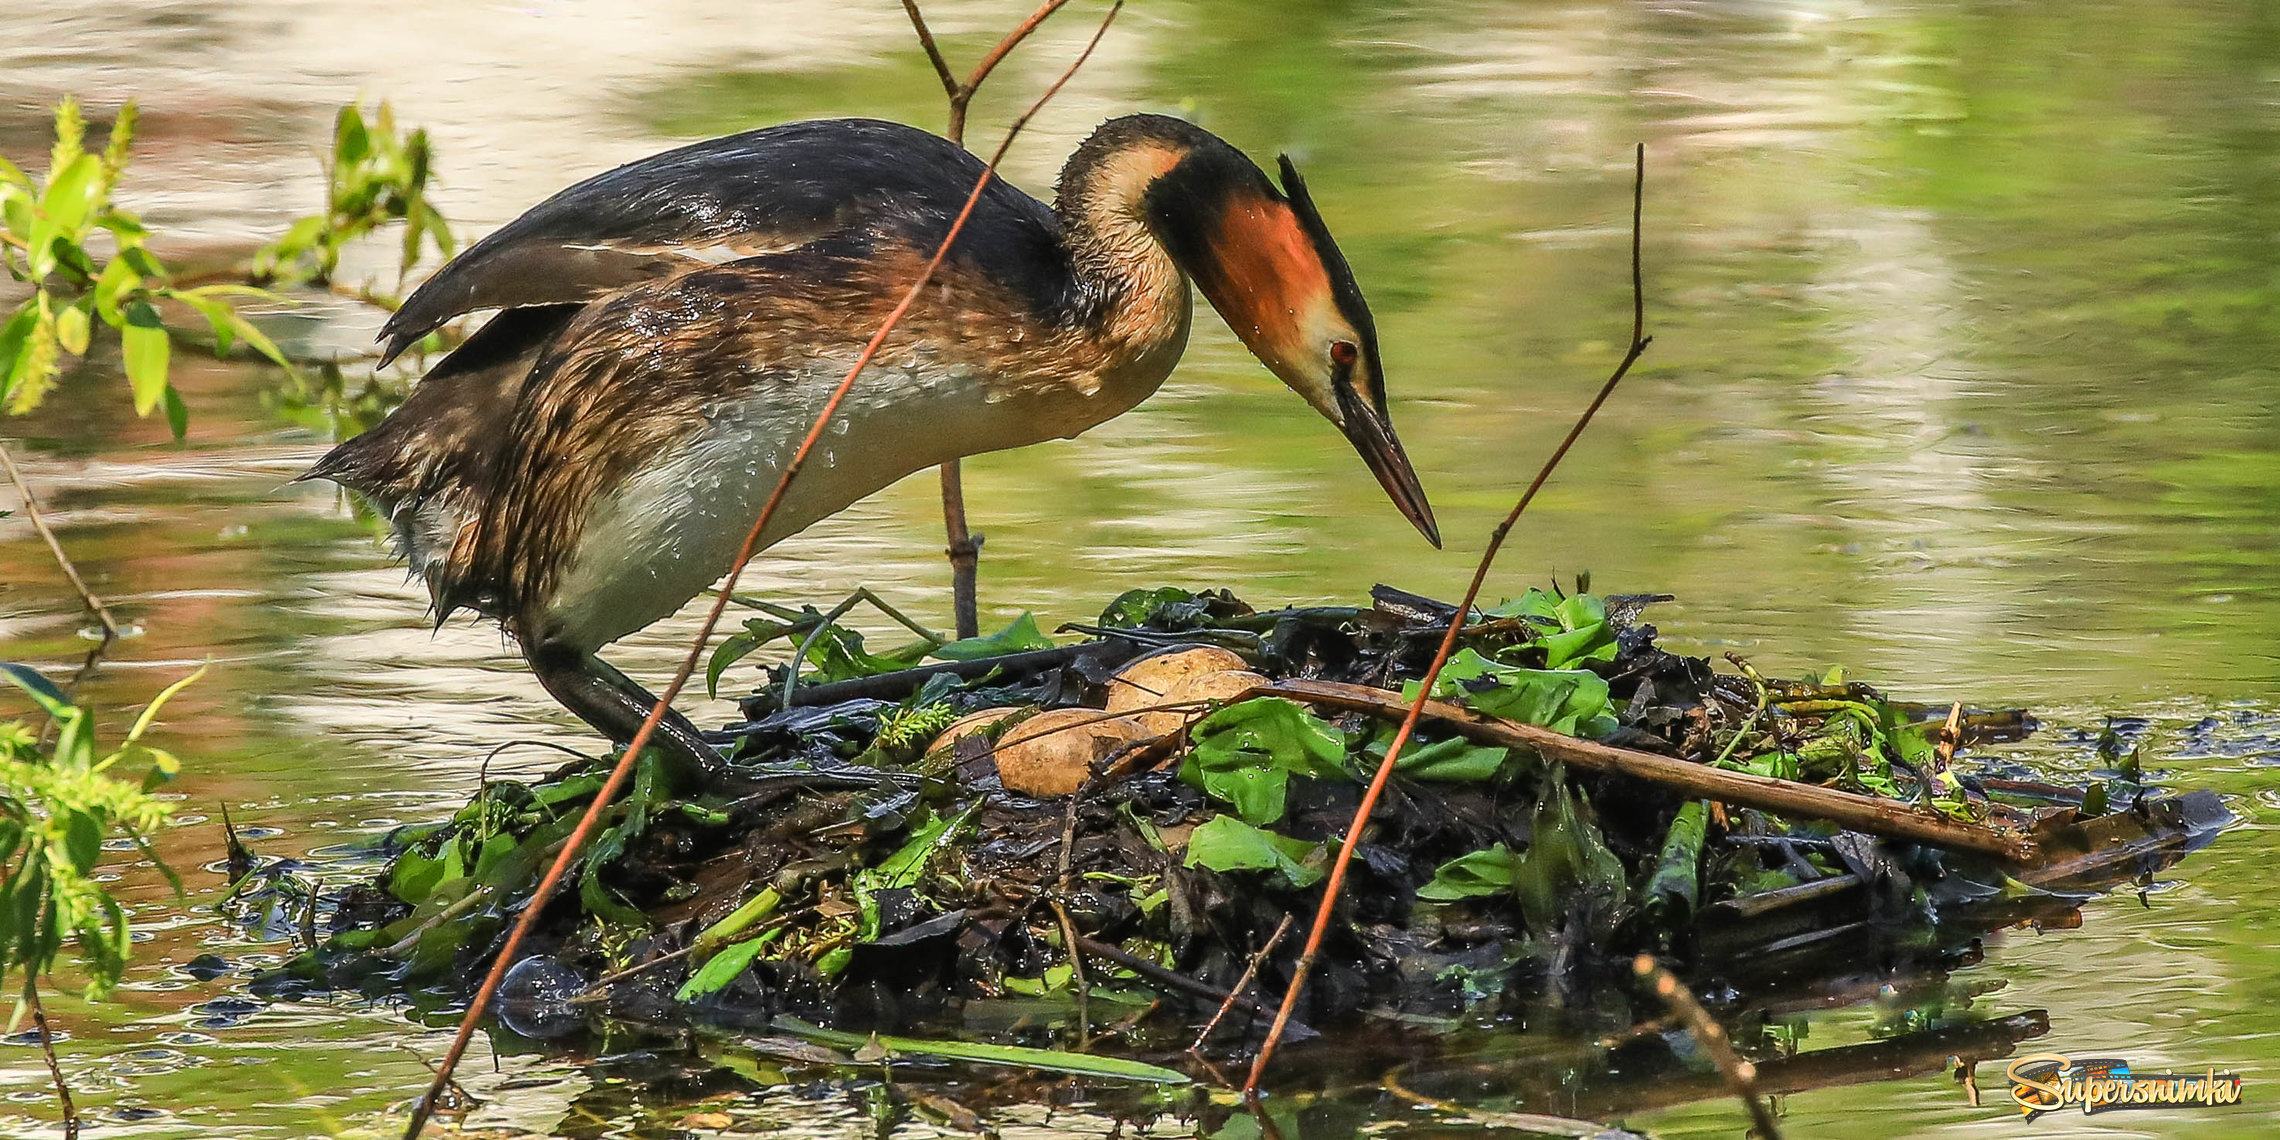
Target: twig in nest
x=1950 y=736
x=1741 y=1076
x=1851 y=810
x=1173 y=979
x=1250 y=971
x=1076 y=972
x=480 y=1003
x=1337 y=880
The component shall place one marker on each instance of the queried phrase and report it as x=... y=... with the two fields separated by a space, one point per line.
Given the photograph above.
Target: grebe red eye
x=1343 y=352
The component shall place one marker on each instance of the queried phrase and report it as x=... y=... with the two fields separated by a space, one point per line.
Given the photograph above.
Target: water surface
x=1963 y=377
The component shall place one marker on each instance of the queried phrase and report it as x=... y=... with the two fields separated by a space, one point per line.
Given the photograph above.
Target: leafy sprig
x=374 y=175
x=45 y=232
x=57 y=808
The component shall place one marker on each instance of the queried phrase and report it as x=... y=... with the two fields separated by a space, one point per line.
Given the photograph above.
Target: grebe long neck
x=1128 y=281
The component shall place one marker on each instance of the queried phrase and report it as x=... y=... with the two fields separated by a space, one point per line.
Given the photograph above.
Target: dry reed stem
x=626 y=762
x=1337 y=880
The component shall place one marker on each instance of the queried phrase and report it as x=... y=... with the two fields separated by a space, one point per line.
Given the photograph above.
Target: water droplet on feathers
x=534 y=998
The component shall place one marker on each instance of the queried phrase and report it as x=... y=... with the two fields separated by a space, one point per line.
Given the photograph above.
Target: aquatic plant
x=60 y=802
x=45 y=231
x=374 y=175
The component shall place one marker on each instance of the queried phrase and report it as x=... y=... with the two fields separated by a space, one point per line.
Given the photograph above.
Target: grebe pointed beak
x=1372 y=435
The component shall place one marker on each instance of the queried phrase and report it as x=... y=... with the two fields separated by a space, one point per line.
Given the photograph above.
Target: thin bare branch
x=1337 y=880
x=47 y=1051
x=1250 y=971
x=1012 y=39
x=933 y=53
x=39 y=523
x=964 y=549
x=626 y=762
x=961 y=545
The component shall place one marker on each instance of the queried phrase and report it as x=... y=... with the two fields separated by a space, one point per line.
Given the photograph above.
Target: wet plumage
x=592 y=457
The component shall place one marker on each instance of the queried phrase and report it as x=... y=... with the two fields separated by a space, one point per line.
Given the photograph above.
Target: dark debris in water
x=854 y=865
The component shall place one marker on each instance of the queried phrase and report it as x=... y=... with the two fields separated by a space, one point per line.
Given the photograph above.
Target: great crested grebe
x=592 y=458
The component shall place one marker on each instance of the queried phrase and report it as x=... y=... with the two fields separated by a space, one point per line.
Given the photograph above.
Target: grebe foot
x=615 y=706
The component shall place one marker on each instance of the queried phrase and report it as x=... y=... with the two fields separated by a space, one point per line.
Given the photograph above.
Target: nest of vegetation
x=1125 y=820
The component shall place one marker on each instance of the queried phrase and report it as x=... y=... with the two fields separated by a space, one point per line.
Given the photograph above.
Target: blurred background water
x=1963 y=377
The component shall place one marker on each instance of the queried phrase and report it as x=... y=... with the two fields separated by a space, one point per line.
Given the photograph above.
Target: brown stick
x=964 y=549
x=625 y=765
x=961 y=545
x=1639 y=342
x=1888 y=818
x=1741 y=1076
x=47 y=1050
x=39 y=523
x=1528 y=1122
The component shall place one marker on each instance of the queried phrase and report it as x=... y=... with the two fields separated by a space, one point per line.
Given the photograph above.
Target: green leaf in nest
x=724 y=967
x=1455 y=760
x=1225 y=843
x=1014 y=1056
x=1019 y=637
x=1473 y=875
x=1572 y=630
x=1246 y=753
x=1573 y=701
x=1568 y=866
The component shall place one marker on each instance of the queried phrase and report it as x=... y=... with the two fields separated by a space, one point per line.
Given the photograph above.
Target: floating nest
x=1119 y=832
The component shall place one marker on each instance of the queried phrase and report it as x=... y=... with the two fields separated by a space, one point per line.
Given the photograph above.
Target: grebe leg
x=615 y=706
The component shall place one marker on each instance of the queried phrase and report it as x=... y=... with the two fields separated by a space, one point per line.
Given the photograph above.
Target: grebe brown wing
x=762 y=191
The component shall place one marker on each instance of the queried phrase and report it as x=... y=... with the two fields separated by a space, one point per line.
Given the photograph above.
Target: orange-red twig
x=1019 y=33
x=1337 y=880
x=625 y=764
x=933 y=52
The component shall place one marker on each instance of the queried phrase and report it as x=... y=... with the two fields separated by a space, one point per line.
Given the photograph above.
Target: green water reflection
x=1965 y=319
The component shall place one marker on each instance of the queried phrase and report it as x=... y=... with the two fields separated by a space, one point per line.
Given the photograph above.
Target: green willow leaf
x=146 y=355
x=72 y=194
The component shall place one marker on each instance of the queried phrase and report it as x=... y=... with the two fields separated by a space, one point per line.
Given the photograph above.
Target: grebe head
x=1265 y=260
